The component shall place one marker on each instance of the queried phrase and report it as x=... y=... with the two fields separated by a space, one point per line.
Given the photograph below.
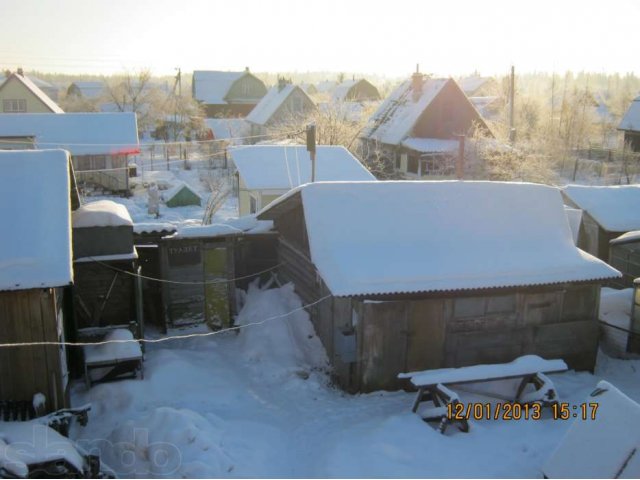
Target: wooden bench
x=530 y=368
x=117 y=360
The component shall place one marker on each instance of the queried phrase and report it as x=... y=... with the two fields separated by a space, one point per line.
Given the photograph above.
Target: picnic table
x=530 y=369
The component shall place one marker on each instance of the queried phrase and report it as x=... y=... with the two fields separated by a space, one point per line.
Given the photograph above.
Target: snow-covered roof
x=90 y=90
x=228 y=128
x=281 y=167
x=574 y=217
x=341 y=92
x=211 y=87
x=271 y=102
x=151 y=227
x=633 y=236
x=30 y=85
x=79 y=133
x=396 y=116
x=35 y=209
x=407 y=237
x=431 y=145
x=615 y=208
x=103 y=213
x=470 y=84
x=604 y=446
x=326 y=86
x=631 y=119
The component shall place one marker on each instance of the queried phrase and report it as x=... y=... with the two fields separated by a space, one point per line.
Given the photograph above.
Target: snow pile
x=125 y=348
x=28 y=443
x=170 y=443
x=601 y=447
x=282 y=345
x=248 y=224
x=103 y=213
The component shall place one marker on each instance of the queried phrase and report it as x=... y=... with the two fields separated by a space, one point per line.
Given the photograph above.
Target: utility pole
x=512 y=130
x=311 y=148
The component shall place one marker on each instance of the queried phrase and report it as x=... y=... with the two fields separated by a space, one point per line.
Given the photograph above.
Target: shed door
x=425 y=334
x=216 y=294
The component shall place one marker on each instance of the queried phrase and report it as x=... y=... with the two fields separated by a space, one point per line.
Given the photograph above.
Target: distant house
x=35 y=274
x=267 y=171
x=87 y=90
x=630 y=125
x=477 y=86
x=422 y=275
x=100 y=143
x=283 y=104
x=608 y=212
x=355 y=91
x=326 y=86
x=416 y=129
x=234 y=130
x=227 y=94
x=18 y=94
x=624 y=255
x=309 y=88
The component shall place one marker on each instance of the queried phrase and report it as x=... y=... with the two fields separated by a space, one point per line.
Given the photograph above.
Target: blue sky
x=383 y=37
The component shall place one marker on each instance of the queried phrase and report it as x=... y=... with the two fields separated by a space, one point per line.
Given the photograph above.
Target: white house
x=267 y=171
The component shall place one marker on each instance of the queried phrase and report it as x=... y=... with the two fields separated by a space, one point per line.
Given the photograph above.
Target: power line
x=176 y=282
x=163 y=339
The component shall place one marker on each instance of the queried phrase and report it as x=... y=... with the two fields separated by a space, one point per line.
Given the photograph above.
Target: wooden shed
x=200 y=263
x=35 y=275
x=608 y=212
x=105 y=264
x=421 y=275
x=181 y=195
x=624 y=255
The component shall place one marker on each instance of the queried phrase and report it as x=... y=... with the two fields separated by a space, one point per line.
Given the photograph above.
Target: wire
x=143 y=145
x=176 y=282
x=163 y=339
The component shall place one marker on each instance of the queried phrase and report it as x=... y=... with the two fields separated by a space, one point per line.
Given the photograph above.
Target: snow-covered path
x=258 y=404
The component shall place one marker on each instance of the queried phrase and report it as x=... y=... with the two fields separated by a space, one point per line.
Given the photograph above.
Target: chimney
x=416 y=83
x=281 y=83
x=246 y=69
x=20 y=72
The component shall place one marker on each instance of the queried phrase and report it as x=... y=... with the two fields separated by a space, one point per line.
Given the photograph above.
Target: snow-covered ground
x=259 y=403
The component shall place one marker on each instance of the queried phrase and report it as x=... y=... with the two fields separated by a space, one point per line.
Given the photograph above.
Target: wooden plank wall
x=626 y=258
x=30 y=316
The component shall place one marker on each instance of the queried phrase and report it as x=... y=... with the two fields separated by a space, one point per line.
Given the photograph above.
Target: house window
x=253 y=204
x=14 y=105
x=412 y=164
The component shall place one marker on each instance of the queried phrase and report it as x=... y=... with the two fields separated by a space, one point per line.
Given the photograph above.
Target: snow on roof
x=431 y=145
x=398 y=113
x=35 y=209
x=633 y=236
x=228 y=128
x=604 y=446
x=271 y=102
x=90 y=89
x=167 y=195
x=79 y=133
x=150 y=227
x=574 y=217
x=326 y=86
x=248 y=224
x=418 y=236
x=341 y=92
x=30 y=85
x=103 y=213
x=613 y=207
x=211 y=87
x=631 y=119
x=280 y=167
x=470 y=84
